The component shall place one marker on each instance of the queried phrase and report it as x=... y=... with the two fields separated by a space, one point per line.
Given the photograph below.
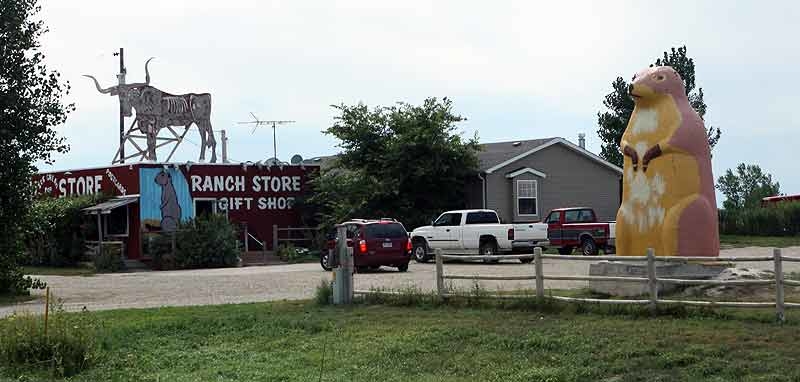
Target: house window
x=526 y=198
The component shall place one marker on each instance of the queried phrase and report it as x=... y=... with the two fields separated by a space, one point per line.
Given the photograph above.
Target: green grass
x=737 y=241
x=58 y=271
x=11 y=300
x=286 y=342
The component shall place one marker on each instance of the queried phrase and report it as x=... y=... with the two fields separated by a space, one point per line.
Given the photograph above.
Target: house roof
x=492 y=154
x=495 y=156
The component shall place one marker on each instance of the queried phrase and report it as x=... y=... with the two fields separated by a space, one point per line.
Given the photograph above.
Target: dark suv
x=375 y=243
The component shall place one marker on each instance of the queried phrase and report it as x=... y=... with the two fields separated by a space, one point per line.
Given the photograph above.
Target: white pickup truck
x=467 y=232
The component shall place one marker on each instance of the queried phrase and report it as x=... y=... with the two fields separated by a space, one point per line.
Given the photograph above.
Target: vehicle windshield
x=385 y=231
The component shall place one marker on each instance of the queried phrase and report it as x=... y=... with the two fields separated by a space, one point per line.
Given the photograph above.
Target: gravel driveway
x=296 y=281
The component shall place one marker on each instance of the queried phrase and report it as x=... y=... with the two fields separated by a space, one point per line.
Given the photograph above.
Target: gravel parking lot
x=296 y=281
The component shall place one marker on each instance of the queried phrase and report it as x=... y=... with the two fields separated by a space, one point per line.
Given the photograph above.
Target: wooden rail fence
x=652 y=279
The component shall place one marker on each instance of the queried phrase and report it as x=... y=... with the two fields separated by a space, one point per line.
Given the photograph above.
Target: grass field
x=736 y=241
x=10 y=300
x=287 y=342
x=58 y=271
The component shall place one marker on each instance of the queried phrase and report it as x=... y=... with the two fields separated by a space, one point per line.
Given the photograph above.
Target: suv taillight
x=510 y=234
x=408 y=245
x=362 y=246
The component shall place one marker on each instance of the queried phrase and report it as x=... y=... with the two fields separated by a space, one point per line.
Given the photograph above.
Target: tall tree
x=612 y=123
x=746 y=187
x=30 y=106
x=404 y=161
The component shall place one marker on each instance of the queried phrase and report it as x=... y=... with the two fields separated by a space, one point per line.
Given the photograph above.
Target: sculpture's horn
x=96 y=84
x=147 y=72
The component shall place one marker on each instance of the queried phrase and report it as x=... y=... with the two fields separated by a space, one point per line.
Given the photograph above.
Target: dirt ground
x=297 y=281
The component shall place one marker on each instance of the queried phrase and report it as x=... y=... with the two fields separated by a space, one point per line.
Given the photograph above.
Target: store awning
x=108 y=205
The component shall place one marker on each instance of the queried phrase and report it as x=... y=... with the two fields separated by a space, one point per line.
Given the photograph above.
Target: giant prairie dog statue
x=668 y=199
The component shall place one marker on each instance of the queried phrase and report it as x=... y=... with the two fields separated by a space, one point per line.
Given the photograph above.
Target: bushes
x=68 y=347
x=779 y=220
x=110 y=260
x=206 y=242
x=54 y=231
x=291 y=254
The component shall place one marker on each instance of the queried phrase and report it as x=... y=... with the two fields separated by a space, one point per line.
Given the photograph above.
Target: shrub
x=205 y=242
x=324 y=293
x=291 y=254
x=110 y=260
x=55 y=230
x=68 y=347
x=779 y=220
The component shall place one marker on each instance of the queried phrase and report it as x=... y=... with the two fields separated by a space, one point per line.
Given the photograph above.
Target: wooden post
x=246 y=238
x=172 y=234
x=99 y=234
x=537 y=261
x=779 y=296
x=46 y=309
x=439 y=272
x=651 y=280
x=274 y=237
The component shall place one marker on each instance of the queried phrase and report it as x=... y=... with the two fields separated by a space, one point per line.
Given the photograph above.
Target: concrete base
x=694 y=271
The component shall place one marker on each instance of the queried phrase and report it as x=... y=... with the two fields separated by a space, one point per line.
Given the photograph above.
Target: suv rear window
x=385 y=231
x=483 y=217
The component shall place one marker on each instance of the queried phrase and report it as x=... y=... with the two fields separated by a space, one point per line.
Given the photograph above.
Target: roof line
x=526 y=170
x=171 y=164
x=552 y=142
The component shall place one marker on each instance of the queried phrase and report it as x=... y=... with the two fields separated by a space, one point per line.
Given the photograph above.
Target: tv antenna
x=257 y=122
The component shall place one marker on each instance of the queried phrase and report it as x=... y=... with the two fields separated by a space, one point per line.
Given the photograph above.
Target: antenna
x=257 y=122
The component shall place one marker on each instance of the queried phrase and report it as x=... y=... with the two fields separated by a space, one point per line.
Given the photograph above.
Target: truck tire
x=324 y=260
x=565 y=251
x=489 y=248
x=588 y=247
x=420 y=252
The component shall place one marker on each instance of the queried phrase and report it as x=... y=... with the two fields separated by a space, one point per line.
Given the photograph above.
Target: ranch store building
x=149 y=198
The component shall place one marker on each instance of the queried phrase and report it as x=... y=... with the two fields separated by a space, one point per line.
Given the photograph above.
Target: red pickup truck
x=568 y=228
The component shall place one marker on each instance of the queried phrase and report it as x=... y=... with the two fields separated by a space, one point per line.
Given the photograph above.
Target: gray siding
x=572 y=180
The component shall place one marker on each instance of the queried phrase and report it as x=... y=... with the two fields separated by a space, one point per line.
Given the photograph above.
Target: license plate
x=387 y=245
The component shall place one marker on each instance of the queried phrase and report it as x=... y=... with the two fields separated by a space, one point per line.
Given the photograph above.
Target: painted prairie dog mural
x=170 y=208
x=668 y=200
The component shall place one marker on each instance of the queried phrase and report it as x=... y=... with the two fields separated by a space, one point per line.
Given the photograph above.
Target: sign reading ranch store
x=257 y=184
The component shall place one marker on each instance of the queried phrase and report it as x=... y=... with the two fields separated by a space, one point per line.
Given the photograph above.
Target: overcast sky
x=516 y=70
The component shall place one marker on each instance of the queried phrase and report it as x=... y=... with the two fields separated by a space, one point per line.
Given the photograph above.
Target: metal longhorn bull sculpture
x=156 y=109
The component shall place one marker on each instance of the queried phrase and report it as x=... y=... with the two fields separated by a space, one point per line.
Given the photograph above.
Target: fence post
x=274 y=237
x=343 y=274
x=537 y=261
x=246 y=238
x=172 y=239
x=651 y=280
x=779 y=303
x=439 y=273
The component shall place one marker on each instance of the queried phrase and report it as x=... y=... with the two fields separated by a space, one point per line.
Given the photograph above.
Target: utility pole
x=121 y=81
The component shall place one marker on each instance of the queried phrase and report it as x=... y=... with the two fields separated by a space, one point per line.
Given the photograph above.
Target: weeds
x=324 y=293
x=64 y=347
